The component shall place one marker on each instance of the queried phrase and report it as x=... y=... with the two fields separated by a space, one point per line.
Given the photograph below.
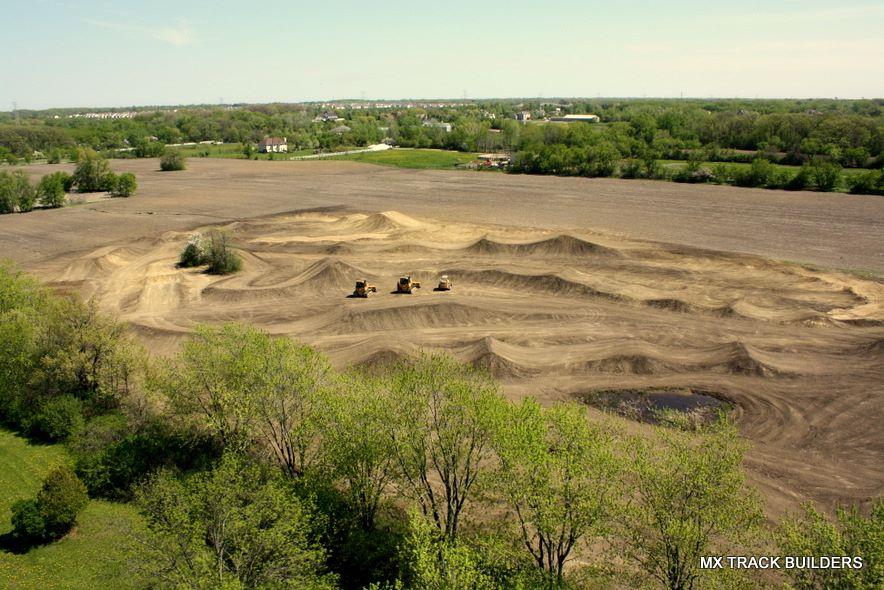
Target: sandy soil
x=553 y=312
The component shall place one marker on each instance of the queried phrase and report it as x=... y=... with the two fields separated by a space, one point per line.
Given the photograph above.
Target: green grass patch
x=95 y=554
x=412 y=158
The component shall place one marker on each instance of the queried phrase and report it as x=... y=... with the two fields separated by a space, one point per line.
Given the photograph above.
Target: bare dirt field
x=546 y=295
x=832 y=230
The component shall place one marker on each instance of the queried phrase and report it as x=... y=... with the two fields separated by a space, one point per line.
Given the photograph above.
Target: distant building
x=438 y=125
x=576 y=119
x=328 y=116
x=523 y=116
x=277 y=145
x=341 y=129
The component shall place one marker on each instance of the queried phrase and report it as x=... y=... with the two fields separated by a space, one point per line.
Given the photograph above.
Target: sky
x=97 y=53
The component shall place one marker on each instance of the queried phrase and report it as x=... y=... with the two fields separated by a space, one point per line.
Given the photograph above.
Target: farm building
x=273 y=144
x=523 y=116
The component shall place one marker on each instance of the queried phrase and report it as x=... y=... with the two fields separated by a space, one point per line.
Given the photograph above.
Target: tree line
x=847 y=132
x=257 y=464
x=91 y=174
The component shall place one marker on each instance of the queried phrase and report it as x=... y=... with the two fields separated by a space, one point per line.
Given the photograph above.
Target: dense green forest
x=254 y=464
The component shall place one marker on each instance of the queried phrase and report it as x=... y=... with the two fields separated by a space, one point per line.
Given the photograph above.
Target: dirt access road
x=833 y=230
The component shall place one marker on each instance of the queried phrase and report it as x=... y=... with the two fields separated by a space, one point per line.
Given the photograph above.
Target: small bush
x=801 y=180
x=193 y=253
x=213 y=249
x=867 y=183
x=220 y=256
x=760 y=173
x=694 y=176
x=824 y=176
x=58 y=418
x=55 y=509
x=654 y=169
x=631 y=168
x=52 y=188
x=54 y=156
x=172 y=160
x=724 y=174
x=124 y=185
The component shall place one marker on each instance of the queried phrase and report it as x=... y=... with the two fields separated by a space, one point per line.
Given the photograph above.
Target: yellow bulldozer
x=444 y=283
x=406 y=285
x=363 y=288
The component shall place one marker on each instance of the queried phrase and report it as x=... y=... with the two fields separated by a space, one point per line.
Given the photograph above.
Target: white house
x=277 y=145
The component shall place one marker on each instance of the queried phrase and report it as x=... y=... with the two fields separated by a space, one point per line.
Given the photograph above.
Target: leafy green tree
x=85 y=353
x=23 y=303
x=16 y=192
x=441 y=428
x=236 y=526
x=559 y=474
x=51 y=189
x=215 y=379
x=850 y=535
x=689 y=493
x=55 y=509
x=124 y=185
x=294 y=385
x=355 y=445
x=172 y=160
x=438 y=563
x=92 y=173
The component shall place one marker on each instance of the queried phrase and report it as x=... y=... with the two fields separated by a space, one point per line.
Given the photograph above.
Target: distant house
x=523 y=116
x=576 y=119
x=277 y=145
x=341 y=129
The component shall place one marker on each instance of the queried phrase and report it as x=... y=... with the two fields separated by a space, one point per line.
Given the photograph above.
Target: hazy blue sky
x=102 y=53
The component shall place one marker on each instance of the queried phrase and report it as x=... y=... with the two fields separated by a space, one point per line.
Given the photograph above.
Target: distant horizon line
x=436 y=99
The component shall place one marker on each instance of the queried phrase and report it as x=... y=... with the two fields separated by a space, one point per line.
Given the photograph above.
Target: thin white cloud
x=179 y=34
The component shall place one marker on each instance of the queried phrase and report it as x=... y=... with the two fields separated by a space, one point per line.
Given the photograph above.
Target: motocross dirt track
x=553 y=313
